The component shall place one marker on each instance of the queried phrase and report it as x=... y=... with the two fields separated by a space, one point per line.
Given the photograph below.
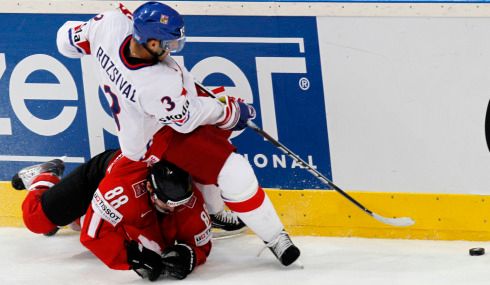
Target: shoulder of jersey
x=128 y=199
x=116 y=18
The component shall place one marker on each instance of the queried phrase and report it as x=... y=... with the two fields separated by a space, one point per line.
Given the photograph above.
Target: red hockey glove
x=236 y=113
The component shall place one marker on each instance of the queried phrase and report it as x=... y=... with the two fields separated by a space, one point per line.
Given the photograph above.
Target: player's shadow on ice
x=84 y=255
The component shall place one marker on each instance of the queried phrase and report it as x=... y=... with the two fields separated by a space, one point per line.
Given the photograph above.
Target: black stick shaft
x=308 y=167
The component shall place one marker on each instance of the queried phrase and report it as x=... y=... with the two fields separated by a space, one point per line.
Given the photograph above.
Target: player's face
x=174 y=45
x=159 y=204
x=156 y=48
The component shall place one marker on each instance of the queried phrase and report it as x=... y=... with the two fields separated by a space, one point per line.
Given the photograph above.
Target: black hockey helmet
x=170 y=184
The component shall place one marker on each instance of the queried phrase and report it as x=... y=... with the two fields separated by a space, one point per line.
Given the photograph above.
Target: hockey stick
x=398 y=222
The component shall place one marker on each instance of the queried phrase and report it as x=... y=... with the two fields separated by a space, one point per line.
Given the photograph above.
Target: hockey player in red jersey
x=168 y=236
x=68 y=199
x=159 y=115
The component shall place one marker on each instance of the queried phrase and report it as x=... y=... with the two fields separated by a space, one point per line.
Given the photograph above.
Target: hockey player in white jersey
x=160 y=115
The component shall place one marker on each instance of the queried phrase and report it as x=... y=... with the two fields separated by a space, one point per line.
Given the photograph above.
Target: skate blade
x=219 y=234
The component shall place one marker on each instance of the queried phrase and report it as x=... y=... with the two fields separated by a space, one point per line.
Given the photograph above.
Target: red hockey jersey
x=121 y=211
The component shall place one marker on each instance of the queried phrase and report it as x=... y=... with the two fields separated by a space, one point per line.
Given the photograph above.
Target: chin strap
x=154 y=54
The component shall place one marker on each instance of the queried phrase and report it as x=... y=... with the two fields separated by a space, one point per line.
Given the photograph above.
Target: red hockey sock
x=32 y=212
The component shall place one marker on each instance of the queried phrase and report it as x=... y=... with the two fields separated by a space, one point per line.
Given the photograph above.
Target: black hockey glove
x=178 y=261
x=145 y=262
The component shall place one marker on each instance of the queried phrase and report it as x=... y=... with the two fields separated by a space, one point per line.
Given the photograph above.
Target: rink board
x=381 y=97
x=56 y=102
x=326 y=213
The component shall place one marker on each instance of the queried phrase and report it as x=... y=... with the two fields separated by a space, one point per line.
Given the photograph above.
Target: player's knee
x=33 y=215
x=237 y=179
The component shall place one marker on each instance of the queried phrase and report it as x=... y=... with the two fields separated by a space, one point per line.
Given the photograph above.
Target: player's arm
x=72 y=39
x=184 y=113
x=173 y=106
x=104 y=241
x=195 y=228
x=75 y=38
x=112 y=221
x=193 y=239
x=113 y=247
x=236 y=113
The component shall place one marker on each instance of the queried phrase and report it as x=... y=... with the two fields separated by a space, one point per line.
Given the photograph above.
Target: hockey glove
x=145 y=262
x=178 y=260
x=236 y=113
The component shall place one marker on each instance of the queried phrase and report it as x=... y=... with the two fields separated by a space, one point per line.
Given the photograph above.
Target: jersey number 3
x=115 y=108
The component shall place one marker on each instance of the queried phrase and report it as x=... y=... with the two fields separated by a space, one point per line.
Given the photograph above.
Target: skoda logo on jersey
x=177 y=119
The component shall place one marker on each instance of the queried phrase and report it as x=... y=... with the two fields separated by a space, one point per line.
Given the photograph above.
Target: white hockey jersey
x=143 y=96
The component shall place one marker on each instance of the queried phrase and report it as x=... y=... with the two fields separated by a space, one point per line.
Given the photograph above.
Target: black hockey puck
x=477 y=251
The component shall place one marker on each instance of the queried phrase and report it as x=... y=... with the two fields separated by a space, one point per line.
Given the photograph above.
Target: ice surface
x=27 y=258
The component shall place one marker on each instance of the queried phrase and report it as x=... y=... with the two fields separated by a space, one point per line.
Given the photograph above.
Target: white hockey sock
x=263 y=221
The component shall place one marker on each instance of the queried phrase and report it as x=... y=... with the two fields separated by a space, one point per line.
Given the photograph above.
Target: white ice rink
x=32 y=259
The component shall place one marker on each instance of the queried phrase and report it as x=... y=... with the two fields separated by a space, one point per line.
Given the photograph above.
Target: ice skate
x=23 y=179
x=52 y=233
x=226 y=224
x=284 y=249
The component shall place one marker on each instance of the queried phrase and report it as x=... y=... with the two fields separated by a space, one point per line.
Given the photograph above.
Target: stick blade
x=397 y=222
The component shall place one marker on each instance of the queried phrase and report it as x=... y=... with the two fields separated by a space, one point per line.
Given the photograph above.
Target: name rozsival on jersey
x=114 y=75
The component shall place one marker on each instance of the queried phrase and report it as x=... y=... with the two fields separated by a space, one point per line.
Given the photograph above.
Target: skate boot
x=23 y=179
x=226 y=220
x=52 y=233
x=283 y=248
x=226 y=224
x=76 y=225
